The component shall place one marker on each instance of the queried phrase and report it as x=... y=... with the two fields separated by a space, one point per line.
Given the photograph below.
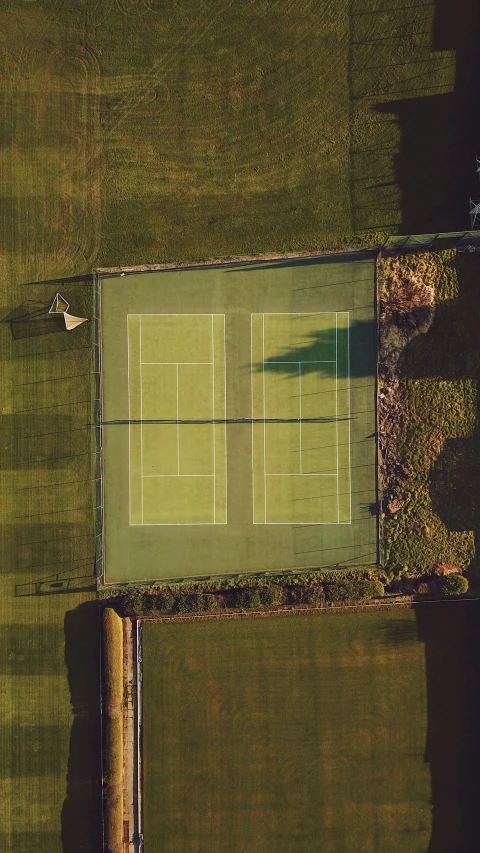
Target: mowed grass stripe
x=284 y=735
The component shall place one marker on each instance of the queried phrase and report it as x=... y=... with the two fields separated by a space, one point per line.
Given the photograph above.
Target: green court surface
x=280 y=735
x=238 y=418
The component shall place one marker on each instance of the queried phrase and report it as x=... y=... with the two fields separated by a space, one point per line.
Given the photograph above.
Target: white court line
x=310 y=361
x=225 y=418
x=141 y=415
x=300 y=408
x=176 y=364
x=328 y=474
x=129 y=428
x=178 y=434
x=348 y=396
x=213 y=422
x=303 y=523
x=336 y=407
x=264 y=424
x=251 y=399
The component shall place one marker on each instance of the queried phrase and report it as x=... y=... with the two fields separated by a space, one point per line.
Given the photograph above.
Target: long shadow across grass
x=440 y=131
x=451 y=634
x=82 y=808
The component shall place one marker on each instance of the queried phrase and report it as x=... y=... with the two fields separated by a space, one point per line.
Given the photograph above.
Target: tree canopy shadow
x=440 y=133
x=451 y=635
x=332 y=351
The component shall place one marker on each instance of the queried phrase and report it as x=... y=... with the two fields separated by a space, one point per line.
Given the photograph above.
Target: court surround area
x=238 y=418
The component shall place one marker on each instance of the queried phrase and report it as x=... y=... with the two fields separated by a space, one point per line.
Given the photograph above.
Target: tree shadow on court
x=352 y=349
x=81 y=818
x=440 y=133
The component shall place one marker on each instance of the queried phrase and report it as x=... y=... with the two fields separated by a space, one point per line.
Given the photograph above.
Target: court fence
x=467 y=241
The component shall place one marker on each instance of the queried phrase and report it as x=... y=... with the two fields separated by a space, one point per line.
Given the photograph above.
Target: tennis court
x=176 y=380
x=238 y=418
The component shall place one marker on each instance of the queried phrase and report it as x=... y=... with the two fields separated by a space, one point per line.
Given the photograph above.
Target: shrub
x=164 y=602
x=249 y=597
x=453 y=585
x=308 y=594
x=211 y=602
x=354 y=590
x=271 y=595
x=149 y=605
x=131 y=602
x=191 y=602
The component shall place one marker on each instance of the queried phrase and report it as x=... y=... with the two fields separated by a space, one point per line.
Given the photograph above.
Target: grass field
x=128 y=136
x=294 y=734
x=239 y=437
x=307 y=733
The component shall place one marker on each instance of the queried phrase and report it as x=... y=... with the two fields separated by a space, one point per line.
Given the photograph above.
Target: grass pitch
x=238 y=418
x=284 y=735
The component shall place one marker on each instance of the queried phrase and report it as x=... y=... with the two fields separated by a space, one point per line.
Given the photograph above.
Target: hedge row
x=112 y=710
x=262 y=593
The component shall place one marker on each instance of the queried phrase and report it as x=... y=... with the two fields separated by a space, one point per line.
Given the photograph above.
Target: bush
x=272 y=595
x=249 y=597
x=191 y=602
x=308 y=594
x=453 y=585
x=164 y=602
x=211 y=602
x=131 y=602
x=353 y=590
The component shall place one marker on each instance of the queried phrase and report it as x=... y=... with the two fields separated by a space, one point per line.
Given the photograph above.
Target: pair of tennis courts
x=231 y=428
x=177 y=380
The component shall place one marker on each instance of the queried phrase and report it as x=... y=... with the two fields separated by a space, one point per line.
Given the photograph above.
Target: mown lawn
x=293 y=734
